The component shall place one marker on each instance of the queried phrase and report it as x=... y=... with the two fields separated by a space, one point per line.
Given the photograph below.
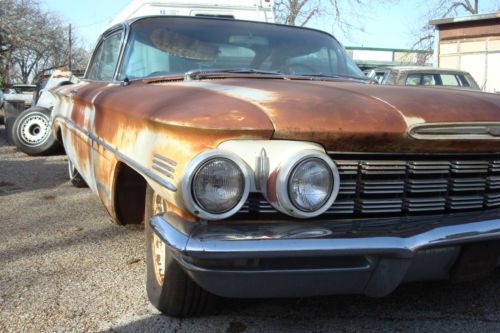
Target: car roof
x=420 y=69
x=129 y=22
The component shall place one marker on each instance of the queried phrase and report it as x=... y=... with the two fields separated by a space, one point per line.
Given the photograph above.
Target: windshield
x=175 y=45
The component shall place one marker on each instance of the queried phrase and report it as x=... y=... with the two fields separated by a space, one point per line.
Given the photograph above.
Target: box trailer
x=252 y=10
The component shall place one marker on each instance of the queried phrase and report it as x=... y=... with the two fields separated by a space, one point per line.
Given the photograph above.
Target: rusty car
x=263 y=163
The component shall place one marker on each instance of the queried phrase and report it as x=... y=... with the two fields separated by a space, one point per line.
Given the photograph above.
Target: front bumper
x=291 y=259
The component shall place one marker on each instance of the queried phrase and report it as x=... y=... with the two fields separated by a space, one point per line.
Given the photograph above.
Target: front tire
x=169 y=288
x=31 y=132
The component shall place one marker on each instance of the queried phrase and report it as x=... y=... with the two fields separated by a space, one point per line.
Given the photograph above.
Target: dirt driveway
x=64 y=267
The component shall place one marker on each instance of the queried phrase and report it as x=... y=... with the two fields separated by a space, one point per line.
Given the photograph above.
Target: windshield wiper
x=335 y=76
x=205 y=73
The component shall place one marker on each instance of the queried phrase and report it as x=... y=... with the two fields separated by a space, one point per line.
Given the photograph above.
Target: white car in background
x=31 y=129
x=21 y=92
x=250 y=10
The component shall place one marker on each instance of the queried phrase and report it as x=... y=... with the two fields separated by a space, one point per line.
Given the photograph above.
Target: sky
x=388 y=26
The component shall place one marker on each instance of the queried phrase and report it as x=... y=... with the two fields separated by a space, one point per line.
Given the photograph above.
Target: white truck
x=251 y=10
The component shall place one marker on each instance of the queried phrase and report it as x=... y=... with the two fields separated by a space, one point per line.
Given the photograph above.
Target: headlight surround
x=310 y=184
x=307 y=184
x=216 y=185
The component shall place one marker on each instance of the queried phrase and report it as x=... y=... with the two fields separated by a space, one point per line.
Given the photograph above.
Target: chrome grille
x=408 y=186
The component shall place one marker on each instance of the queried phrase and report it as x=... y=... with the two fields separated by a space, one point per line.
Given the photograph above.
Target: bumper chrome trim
x=425 y=254
x=302 y=239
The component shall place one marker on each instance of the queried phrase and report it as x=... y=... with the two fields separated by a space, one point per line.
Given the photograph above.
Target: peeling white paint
x=408 y=120
x=248 y=94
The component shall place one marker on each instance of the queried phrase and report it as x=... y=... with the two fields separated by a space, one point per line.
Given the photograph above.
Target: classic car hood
x=341 y=116
x=354 y=117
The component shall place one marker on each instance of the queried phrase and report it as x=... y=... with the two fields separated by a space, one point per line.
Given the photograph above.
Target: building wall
x=479 y=56
x=474 y=48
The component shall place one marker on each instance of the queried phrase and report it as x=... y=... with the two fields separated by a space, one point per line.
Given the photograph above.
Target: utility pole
x=70 y=48
x=476 y=6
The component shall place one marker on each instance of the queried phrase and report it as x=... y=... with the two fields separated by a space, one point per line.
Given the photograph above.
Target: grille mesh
x=410 y=186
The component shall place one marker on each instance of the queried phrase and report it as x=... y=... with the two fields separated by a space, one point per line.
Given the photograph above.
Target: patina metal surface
x=141 y=124
x=178 y=120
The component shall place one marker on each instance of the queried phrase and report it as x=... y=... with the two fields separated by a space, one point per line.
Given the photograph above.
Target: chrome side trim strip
x=74 y=126
x=121 y=156
x=136 y=165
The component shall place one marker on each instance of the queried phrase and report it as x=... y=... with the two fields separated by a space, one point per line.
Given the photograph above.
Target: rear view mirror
x=248 y=40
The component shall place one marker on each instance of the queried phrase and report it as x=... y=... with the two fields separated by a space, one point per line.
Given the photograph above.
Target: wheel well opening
x=59 y=135
x=130 y=195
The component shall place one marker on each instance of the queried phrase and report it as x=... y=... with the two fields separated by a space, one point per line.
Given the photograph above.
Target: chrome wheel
x=34 y=129
x=158 y=246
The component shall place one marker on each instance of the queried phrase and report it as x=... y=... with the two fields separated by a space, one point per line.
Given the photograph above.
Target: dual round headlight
x=310 y=184
x=307 y=184
x=216 y=185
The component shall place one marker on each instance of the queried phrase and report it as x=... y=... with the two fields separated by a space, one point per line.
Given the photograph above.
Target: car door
x=100 y=75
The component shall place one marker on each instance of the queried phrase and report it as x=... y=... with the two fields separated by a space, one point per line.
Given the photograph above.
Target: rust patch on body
x=178 y=120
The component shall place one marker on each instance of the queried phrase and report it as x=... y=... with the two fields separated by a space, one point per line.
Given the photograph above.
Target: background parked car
x=423 y=76
x=30 y=130
x=21 y=92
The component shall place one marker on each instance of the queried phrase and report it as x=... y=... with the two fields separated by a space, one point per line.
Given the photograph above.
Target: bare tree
x=345 y=15
x=31 y=40
x=424 y=37
x=295 y=12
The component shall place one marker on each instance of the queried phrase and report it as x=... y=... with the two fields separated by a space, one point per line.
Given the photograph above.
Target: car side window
x=463 y=81
x=428 y=80
x=413 y=80
x=450 y=80
x=106 y=58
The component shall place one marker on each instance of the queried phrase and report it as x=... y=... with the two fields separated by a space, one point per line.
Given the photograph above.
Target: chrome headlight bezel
x=192 y=168
x=284 y=176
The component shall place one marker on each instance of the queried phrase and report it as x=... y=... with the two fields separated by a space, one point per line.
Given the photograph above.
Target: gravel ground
x=65 y=267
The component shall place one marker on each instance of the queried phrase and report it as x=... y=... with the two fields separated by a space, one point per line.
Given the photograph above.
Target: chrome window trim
x=119 y=28
x=284 y=173
x=190 y=172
